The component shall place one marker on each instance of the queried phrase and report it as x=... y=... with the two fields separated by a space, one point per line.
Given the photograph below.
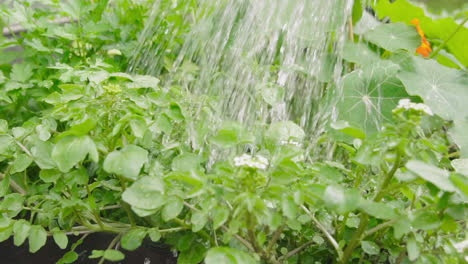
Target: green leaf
x=394 y=36
x=220 y=215
x=37 y=238
x=412 y=248
x=80 y=129
x=186 y=162
x=442 y=29
x=146 y=193
x=289 y=207
x=432 y=174
x=370 y=247
x=225 y=255
x=341 y=200
x=133 y=239
x=370 y=95
x=378 y=210
x=3 y=123
x=359 y=53
x=444 y=90
x=21 y=162
x=21 y=230
x=113 y=255
x=426 y=221
x=198 y=220
x=69 y=257
x=401 y=227
x=193 y=255
x=458 y=134
x=50 y=175
x=21 y=72
x=172 y=208
x=12 y=204
x=127 y=162
x=284 y=131
x=154 y=234
x=60 y=239
x=138 y=126
x=461 y=182
x=71 y=150
x=42 y=154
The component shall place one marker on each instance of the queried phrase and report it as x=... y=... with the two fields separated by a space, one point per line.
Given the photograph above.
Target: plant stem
x=441 y=46
x=15 y=186
x=378 y=228
x=296 y=250
x=364 y=218
x=325 y=232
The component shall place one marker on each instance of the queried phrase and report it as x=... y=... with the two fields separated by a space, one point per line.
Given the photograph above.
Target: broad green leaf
x=441 y=29
x=133 y=239
x=198 y=220
x=370 y=247
x=378 y=210
x=443 y=89
x=193 y=255
x=289 y=207
x=60 y=239
x=21 y=230
x=126 y=162
x=138 y=126
x=12 y=204
x=71 y=150
x=37 y=238
x=412 y=248
x=144 y=81
x=341 y=200
x=370 y=95
x=3 y=123
x=394 y=36
x=80 y=129
x=461 y=182
x=432 y=174
x=231 y=134
x=426 y=221
x=186 y=162
x=346 y=128
x=21 y=162
x=401 y=227
x=50 y=175
x=359 y=53
x=172 y=208
x=6 y=233
x=225 y=255
x=154 y=234
x=219 y=215
x=109 y=254
x=146 y=193
x=69 y=257
x=284 y=131
x=42 y=152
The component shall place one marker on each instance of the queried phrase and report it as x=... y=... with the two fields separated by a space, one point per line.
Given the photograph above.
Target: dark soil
x=148 y=253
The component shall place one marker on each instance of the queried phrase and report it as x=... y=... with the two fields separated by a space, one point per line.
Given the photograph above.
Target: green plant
x=86 y=147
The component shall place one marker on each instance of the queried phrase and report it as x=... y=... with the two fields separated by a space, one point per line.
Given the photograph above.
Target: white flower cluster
x=257 y=162
x=407 y=104
x=461 y=246
x=291 y=142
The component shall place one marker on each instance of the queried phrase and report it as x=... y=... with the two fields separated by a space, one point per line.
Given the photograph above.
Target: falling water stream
x=264 y=60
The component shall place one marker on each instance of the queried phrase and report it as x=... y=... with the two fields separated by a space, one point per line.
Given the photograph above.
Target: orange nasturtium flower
x=425 y=48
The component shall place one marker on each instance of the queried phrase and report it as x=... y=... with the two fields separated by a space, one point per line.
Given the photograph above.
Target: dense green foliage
x=86 y=147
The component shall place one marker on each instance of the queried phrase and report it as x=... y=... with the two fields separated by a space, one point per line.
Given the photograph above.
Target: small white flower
x=257 y=162
x=406 y=104
x=461 y=246
x=291 y=142
x=114 y=52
